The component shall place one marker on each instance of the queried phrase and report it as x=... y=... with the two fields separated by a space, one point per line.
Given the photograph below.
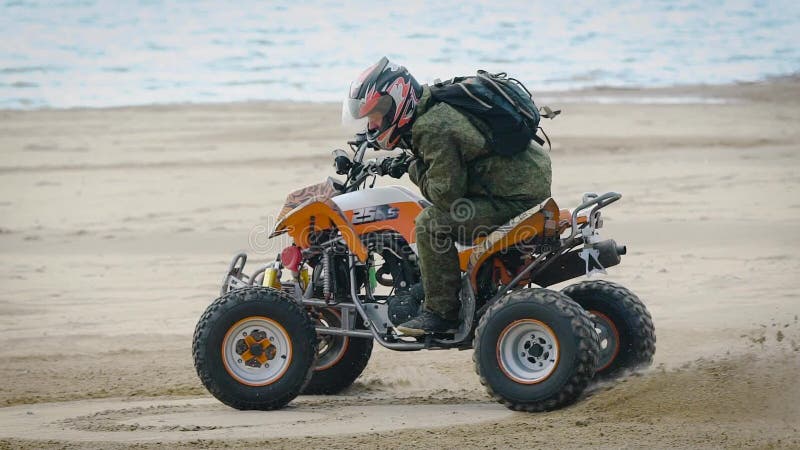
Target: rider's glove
x=399 y=167
x=396 y=167
x=385 y=166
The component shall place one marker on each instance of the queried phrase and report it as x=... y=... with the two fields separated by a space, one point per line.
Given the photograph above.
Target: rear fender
x=541 y=220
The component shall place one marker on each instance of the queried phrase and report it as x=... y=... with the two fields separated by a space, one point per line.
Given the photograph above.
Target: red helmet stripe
x=399 y=92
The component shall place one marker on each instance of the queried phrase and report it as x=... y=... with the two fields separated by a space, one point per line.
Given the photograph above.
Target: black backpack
x=500 y=102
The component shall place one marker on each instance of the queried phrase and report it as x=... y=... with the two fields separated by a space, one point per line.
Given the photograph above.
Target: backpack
x=500 y=102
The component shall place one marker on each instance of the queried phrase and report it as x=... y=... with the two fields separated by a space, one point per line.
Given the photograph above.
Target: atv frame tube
x=579 y=234
x=363 y=313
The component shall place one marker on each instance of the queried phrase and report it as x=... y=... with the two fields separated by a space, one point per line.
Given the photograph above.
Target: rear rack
x=592 y=199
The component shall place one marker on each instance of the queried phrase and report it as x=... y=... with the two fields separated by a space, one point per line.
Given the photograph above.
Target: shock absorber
x=326 y=275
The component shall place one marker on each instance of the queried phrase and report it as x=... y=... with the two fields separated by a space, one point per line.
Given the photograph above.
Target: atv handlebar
x=359 y=145
x=358 y=170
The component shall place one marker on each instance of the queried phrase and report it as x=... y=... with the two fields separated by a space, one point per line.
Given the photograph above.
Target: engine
x=405 y=304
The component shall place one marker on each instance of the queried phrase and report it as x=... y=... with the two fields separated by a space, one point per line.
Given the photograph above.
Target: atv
x=306 y=323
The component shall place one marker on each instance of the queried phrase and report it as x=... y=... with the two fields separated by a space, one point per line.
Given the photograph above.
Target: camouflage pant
x=437 y=231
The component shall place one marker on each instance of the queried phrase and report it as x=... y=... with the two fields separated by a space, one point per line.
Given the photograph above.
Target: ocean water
x=122 y=52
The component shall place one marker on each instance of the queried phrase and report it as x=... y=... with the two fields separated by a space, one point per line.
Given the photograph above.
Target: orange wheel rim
x=256 y=351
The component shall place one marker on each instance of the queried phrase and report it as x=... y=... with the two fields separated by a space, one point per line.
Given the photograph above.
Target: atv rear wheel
x=627 y=335
x=254 y=348
x=340 y=359
x=535 y=350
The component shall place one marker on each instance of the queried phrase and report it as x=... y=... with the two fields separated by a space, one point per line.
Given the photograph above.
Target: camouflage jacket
x=454 y=160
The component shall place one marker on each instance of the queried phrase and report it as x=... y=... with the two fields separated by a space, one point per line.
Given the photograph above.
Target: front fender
x=315 y=215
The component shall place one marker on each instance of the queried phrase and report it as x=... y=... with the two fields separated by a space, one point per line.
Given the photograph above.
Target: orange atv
x=306 y=322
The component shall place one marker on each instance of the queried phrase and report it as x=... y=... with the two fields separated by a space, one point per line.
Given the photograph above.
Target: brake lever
x=375 y=166
x=359 y=138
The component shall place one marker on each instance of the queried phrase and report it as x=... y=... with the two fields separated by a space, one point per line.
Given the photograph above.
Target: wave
x=92 y=53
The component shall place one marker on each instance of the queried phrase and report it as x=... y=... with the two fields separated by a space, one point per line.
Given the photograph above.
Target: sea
x=98 y=53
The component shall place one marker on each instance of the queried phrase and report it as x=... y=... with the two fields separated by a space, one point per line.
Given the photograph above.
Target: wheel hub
x=256 y=351
x=330 y=349
x=609 y=339
x=534 y=349
x=527 y=351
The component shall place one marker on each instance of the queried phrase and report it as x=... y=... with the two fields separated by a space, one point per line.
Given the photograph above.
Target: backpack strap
x=548 y=113
x=482 y=74
x=540 y=141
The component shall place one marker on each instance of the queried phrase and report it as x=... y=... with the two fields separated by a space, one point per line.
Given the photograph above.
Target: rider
x=472 y=190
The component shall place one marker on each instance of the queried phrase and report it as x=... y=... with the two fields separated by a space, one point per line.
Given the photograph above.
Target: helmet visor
x=359 y=115
x=350 y=123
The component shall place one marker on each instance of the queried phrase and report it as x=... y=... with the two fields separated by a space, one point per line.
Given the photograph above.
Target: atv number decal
x=374 y=214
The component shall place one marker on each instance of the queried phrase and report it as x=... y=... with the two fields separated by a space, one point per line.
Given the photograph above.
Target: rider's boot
x=428 y=323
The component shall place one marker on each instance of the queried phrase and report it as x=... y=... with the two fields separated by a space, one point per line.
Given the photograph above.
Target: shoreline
x=688 y=94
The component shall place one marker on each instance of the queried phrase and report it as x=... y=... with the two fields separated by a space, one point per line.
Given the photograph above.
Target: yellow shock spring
x=271 y=278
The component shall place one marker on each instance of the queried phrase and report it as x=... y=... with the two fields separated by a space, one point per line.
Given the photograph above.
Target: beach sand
x=116 y=226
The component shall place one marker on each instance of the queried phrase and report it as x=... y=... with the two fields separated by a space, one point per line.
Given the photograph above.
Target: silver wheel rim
x=242 y=357
x=331 y=348
x=609 y=339
x=528 y=351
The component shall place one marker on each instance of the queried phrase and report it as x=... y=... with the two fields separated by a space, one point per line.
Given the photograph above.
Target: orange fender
x=317 y=214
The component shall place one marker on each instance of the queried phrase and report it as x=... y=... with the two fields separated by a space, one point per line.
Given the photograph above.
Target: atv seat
x=536 y=221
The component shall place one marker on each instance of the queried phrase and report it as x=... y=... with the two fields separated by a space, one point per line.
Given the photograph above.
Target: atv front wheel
x=535 y=350
x=254 y=348
x=627 y=335
x=340 y=359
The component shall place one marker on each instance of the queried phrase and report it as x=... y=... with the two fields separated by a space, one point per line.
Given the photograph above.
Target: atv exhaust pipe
x=571 y=265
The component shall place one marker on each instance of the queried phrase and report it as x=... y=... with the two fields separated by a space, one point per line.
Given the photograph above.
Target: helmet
x=382 y=100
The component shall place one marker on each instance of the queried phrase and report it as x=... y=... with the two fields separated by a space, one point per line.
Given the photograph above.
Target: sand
x=116 y=226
